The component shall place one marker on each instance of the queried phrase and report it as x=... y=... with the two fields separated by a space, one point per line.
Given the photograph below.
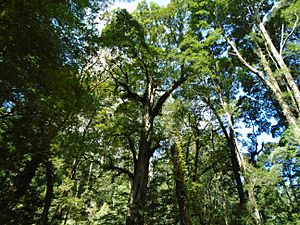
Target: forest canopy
x=180 y=114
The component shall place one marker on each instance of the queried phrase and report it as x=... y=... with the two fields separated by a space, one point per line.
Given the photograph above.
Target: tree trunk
x=20 y=185
x=141 y=172
x=178 y=164
x=225 y=202
x=272 y=83
x=187 y=155
x=151 y=108
x=138 y=190
x=49 y=192
x=236 y=171
x=234 y=161
x=285 y=70
x=197 y=152
x=244 y=168
x=253 y=203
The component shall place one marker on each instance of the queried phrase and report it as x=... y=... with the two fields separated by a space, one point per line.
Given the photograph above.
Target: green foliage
x=73 y=108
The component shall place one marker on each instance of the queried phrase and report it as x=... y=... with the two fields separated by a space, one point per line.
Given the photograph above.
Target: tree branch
x=120 y=170
x=274 y=10
x=205 y=170
x=167 y=93
x=241 y=58
x=132 y=148
x=256 y=153
x=283 y=42
x=128 y=93
x=153 y=149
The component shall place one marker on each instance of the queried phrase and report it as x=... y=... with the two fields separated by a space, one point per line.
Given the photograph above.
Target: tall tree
x=146 y=74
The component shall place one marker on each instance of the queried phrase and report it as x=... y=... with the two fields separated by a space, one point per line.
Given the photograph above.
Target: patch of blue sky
x=7 y=106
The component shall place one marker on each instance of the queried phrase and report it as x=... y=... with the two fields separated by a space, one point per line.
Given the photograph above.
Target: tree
x=147 y=76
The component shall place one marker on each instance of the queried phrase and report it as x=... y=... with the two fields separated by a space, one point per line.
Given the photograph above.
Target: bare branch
x=281 y=39
x=282 y=44
x=270 y=55
x=238 y=54
x=241 y=58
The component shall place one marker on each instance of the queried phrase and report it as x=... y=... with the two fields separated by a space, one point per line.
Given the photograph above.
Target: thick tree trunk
x=151 y=108
x=178 y=163
x=138 y=191
x=141 y=172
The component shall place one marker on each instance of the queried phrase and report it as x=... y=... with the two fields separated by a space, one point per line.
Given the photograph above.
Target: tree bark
x=272 y=83
x=150 y=108
x=269 y=81
x=187 y=154
x=138 y=191
x=197 y=152
x=49 y=193
x=279 y=59
x=242 y=164
x=225 y=202
x=141 y=168
x=20 y=185
x=234 y=161
x=178 y=165
x=236 y=171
